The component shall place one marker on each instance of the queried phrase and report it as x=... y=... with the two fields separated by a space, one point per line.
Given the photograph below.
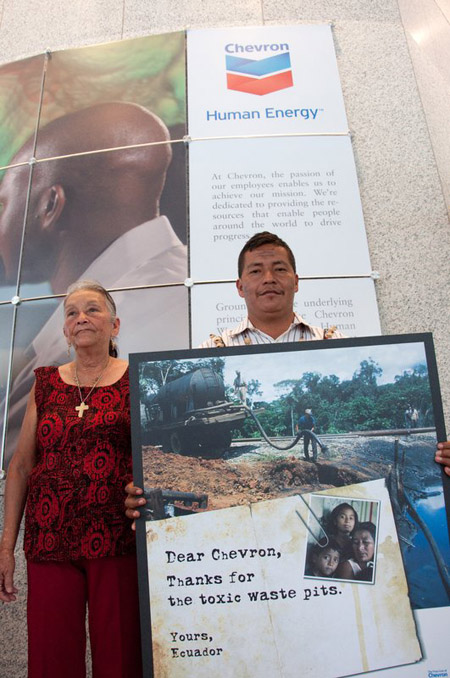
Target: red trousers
x=57 y=597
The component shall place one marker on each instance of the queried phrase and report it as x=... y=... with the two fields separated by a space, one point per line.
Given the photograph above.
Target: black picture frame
x=308 y=354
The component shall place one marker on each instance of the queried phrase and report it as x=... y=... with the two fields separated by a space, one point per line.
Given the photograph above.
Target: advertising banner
x=111 y=177
x=250 y=430
x=263 y=80
x=303 y=189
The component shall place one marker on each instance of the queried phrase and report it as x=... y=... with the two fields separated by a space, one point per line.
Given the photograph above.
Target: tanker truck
x=191 y=415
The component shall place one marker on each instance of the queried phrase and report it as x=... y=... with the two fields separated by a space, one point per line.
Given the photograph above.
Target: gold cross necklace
x=82 y=406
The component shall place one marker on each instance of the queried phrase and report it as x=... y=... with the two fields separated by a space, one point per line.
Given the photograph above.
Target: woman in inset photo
x=361 y=566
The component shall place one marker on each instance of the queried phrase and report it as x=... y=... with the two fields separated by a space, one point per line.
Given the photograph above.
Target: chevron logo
x=261 y=76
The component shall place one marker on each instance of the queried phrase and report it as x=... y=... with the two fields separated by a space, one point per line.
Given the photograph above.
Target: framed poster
x=233 y=424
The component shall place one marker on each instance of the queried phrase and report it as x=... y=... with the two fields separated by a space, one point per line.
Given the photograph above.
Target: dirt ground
x=226 y=483
x=251 y=472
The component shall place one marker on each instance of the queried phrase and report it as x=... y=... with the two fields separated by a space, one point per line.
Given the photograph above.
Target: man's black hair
x=367 y=527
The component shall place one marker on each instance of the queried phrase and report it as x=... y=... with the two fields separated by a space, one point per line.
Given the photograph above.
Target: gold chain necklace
x=82 y=406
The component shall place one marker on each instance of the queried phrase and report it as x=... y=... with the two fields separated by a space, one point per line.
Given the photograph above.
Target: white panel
x=303 y=189
x=299 y=60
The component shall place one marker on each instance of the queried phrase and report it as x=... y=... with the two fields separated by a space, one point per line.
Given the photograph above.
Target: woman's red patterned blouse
x=75 y=505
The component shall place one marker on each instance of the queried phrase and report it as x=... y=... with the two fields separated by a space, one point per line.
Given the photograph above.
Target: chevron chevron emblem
x=261 y=76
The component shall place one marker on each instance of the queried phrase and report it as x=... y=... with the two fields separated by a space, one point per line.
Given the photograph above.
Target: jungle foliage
x=357 y=404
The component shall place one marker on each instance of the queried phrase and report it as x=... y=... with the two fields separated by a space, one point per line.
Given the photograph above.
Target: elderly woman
x=360 y=566
x=70 y=467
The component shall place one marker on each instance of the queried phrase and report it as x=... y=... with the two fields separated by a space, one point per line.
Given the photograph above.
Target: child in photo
x=340 y=526
x=323 y=559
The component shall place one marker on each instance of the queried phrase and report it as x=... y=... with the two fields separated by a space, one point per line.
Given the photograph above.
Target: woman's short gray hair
x=95 y=287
